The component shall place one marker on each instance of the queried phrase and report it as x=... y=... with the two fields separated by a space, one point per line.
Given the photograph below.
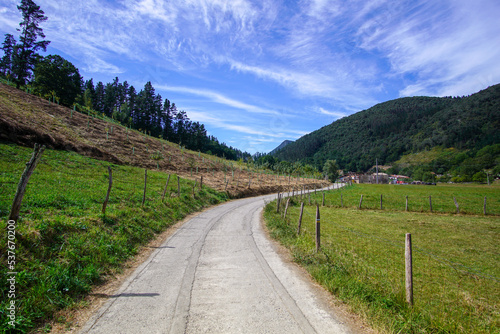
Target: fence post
x=456 y=204
x=165 y=190
x=318 y=230
x=300 y=217
x=341 y=200
x=286 y=207
x=323 y=202
x=484 y=206
x=145 y=183
x=109 y=190
x=430 y=202
x=360 y=201
x=406 y=207
x=178 y=186
x=201 y=182
x=278 y=203
x=21 y=186
x=408 y=270
x=381 y=206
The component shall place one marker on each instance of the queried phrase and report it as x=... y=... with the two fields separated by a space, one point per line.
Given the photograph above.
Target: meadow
x=456 y=275
x=64 y=244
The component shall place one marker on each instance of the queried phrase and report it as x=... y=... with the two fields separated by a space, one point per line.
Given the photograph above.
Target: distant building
x=382 y=178
x=398 y=179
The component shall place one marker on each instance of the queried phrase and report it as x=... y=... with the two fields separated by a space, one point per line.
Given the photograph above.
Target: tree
x=26 y=56
x=55 y=74
x=9 y=48
x=331 y=170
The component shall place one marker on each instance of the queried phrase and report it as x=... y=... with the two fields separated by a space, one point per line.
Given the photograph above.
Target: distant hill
x=390 y=130
x=283 y=144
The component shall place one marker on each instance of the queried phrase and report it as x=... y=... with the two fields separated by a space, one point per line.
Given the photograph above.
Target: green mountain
x=283 y=144
x=390 y=130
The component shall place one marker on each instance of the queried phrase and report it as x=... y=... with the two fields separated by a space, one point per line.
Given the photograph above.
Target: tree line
x=53 y=77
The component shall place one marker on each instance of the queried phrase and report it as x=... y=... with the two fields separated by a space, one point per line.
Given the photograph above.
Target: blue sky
x=259 y=72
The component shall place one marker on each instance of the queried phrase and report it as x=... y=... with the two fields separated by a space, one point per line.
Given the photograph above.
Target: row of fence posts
x=35 y=158
x=408 y=247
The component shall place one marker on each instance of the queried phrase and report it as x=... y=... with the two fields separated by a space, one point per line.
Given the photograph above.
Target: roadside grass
x=64 y=244
x=455 y=263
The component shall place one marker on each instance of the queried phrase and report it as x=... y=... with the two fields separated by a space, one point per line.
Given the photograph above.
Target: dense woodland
x=463 y=131
x=53 y=77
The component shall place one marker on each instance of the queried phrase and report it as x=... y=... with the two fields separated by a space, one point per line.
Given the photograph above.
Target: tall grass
x=64 y=245
x=456 y=257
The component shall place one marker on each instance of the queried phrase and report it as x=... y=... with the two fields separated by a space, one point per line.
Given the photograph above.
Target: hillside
x=390 y=130
x=280 y=146
x=26 y=119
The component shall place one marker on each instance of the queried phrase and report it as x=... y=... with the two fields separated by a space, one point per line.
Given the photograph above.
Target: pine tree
x=9 y=48
x=26 y=56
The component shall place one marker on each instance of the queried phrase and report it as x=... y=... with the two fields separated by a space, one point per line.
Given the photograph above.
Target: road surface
x=218 y=273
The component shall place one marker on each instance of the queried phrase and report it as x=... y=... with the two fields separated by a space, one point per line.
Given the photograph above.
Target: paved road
x=217 y=273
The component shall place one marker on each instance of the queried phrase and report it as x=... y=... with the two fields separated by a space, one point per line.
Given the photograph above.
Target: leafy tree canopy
x=55 y=76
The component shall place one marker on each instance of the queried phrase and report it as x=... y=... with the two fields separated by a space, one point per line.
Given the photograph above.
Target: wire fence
x=455 y=271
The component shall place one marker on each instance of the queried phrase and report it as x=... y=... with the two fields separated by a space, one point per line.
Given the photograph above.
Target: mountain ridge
x=392 y=129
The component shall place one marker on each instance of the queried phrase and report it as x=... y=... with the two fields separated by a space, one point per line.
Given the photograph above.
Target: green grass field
x=64 y=245
x=470 y=197
x=456 y=257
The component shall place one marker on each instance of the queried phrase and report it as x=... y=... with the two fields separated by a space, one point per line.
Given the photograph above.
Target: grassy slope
x=456 y=276
x=27 y=119
x=64 y=244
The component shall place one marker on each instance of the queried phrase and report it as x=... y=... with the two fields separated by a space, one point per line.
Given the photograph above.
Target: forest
x=462 y=133
x=55 y=78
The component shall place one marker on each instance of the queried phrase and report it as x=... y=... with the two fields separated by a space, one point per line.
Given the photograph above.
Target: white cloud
x=218 y=98
x=335 y=114
x=442 y=45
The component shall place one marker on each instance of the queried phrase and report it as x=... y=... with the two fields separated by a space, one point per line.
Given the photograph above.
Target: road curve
x=218 y=273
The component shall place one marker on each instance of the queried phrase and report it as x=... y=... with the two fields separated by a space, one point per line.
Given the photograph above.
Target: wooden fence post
x=456 y=204
x=318 y=230
x=323 y=202
x=408 y=270
x=360 y=201
x=165 y=190
x=286 y=207
x=341 y=200
x=430 y=202
x=406 y=207
x=278 y=204
x=484 y=206
x=201 y=182
x=25 y=176
x=381 y=206
x=145 y=183
x=109 y=190
x=300 y=217
x=178 y=186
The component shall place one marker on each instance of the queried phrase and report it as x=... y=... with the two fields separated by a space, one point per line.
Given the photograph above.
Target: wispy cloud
x=447 y=46
x=218 y=98
x=335 y=114
x=328 y=57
